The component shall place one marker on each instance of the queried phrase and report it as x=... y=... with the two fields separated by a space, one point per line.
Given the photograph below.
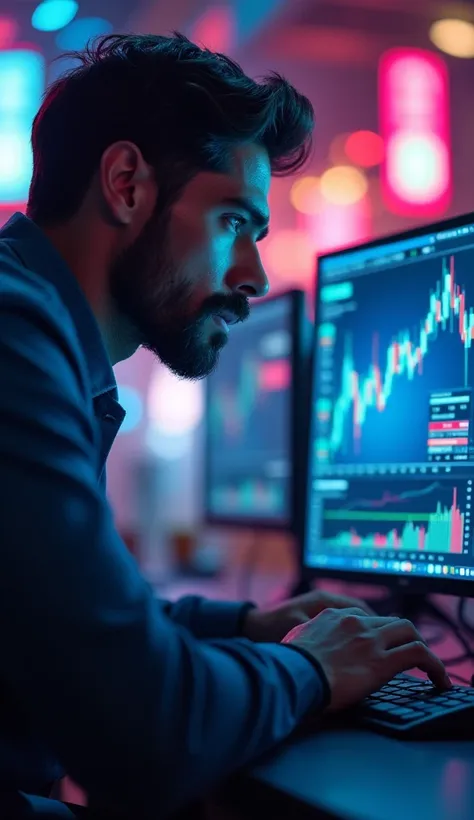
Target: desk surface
x=357 y=775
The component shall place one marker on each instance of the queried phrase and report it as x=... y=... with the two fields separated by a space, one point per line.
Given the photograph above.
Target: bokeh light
x=8 y=31
x=365 y=148
x=22 y=78
x=175 y=406
x=454 y=37
x=419 y=163
x=305 y=195
x=215 y=29
x=289 y=256
x=337 y=149
x=415 y=121
x=343 y=185
x=132 y=403
x=52 y=15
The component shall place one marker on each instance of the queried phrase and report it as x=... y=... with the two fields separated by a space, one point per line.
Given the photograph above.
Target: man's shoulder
x=32 y=297
x=17 y=281
x=21 y=288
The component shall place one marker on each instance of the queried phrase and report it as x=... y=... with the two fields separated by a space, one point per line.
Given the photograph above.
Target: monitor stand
x=404 y=605
x=299 y=587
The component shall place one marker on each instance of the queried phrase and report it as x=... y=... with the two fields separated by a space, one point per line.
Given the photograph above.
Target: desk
x=357 y=775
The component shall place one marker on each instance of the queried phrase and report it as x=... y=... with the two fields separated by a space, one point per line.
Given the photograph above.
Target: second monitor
x=255 y=418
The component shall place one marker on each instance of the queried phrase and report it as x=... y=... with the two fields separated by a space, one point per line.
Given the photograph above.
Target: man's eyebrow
x=259 y=218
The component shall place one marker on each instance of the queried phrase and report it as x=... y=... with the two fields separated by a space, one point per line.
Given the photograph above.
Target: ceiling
x=352 y=31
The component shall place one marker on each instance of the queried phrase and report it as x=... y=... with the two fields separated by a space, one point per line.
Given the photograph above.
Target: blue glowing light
x=22 y=77
x=79 y=32
x=132 y=403
x=52 y=15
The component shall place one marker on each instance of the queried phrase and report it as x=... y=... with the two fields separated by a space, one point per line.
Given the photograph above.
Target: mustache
x=235 y=304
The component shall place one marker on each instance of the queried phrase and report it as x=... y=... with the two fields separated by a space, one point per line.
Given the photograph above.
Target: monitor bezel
x=423 y=585
x=300 y=374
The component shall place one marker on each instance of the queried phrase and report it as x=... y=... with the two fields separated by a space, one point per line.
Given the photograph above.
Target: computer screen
x=391 y=459
x=249 y=420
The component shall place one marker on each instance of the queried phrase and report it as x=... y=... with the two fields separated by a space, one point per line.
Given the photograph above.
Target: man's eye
x=235 y=222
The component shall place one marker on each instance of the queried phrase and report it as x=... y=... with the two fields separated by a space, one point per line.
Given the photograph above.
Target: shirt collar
x=40 y=256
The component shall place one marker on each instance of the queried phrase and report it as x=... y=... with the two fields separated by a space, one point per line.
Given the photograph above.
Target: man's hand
x=271 y=625
x=359 y=653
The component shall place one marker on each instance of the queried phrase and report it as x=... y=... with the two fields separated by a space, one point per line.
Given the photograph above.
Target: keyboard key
x=414 y=709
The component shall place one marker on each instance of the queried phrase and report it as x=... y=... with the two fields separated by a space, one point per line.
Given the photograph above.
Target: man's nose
x=250 y=279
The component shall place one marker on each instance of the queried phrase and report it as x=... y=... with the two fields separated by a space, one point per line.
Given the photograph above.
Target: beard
x=151 y=294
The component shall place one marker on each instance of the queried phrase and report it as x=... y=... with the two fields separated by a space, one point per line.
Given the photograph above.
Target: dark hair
x=182 y=105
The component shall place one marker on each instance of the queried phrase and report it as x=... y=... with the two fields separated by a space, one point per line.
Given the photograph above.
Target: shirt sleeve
x=138 y=711
x=208 y=619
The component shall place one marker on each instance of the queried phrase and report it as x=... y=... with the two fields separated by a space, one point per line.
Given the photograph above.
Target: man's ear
x=127 y=183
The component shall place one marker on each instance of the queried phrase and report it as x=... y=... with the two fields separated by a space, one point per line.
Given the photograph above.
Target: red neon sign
x=414 y=124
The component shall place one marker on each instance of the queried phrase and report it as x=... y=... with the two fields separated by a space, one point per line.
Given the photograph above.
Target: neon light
x=22 y=73
x=8 y=32
x=216 y=29
x=52 y=15
x=365 y=148
x=414 y=123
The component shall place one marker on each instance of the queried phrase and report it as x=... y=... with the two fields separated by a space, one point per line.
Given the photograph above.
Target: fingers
x=343 y=602
x=369 y=621
x=366 y=609
x=417 y=655
x=398 y=632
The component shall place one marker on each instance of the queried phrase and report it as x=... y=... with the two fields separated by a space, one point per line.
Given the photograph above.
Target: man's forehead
x=248 y=176
x=250 y=168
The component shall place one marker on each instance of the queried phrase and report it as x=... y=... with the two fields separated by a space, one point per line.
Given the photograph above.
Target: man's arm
x=208 y=619
x=137 y=710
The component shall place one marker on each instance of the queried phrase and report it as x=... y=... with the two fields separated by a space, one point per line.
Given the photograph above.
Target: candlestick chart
x=410 y=337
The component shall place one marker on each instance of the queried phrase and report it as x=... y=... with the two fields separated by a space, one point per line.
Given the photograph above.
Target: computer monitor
x=254 y=419
x=391 y=456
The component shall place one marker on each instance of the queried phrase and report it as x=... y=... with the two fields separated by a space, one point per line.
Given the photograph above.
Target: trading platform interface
x=249 y=420
x=392 y=444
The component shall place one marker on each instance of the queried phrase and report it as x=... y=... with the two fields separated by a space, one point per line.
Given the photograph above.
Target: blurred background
x=377 y=71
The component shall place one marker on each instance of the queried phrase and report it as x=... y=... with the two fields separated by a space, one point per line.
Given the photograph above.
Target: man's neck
x=83 y=258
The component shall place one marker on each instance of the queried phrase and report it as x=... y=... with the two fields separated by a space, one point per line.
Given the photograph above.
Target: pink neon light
x=274 y=375
x=215 y=29
x=415 y=125
x=8 y=31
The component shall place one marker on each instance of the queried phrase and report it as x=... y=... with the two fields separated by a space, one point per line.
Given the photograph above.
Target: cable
x=460 y=678
x=434 y=638
x=455 y=628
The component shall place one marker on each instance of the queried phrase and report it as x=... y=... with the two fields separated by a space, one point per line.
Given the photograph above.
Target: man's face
x=191 y=271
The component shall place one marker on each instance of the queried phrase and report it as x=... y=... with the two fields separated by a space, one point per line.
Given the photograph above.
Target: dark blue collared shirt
x=144 y=703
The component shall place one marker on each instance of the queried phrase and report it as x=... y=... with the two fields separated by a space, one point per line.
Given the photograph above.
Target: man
x=152 y=164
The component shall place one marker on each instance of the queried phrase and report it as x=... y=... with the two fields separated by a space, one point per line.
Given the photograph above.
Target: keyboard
x=411 y=708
